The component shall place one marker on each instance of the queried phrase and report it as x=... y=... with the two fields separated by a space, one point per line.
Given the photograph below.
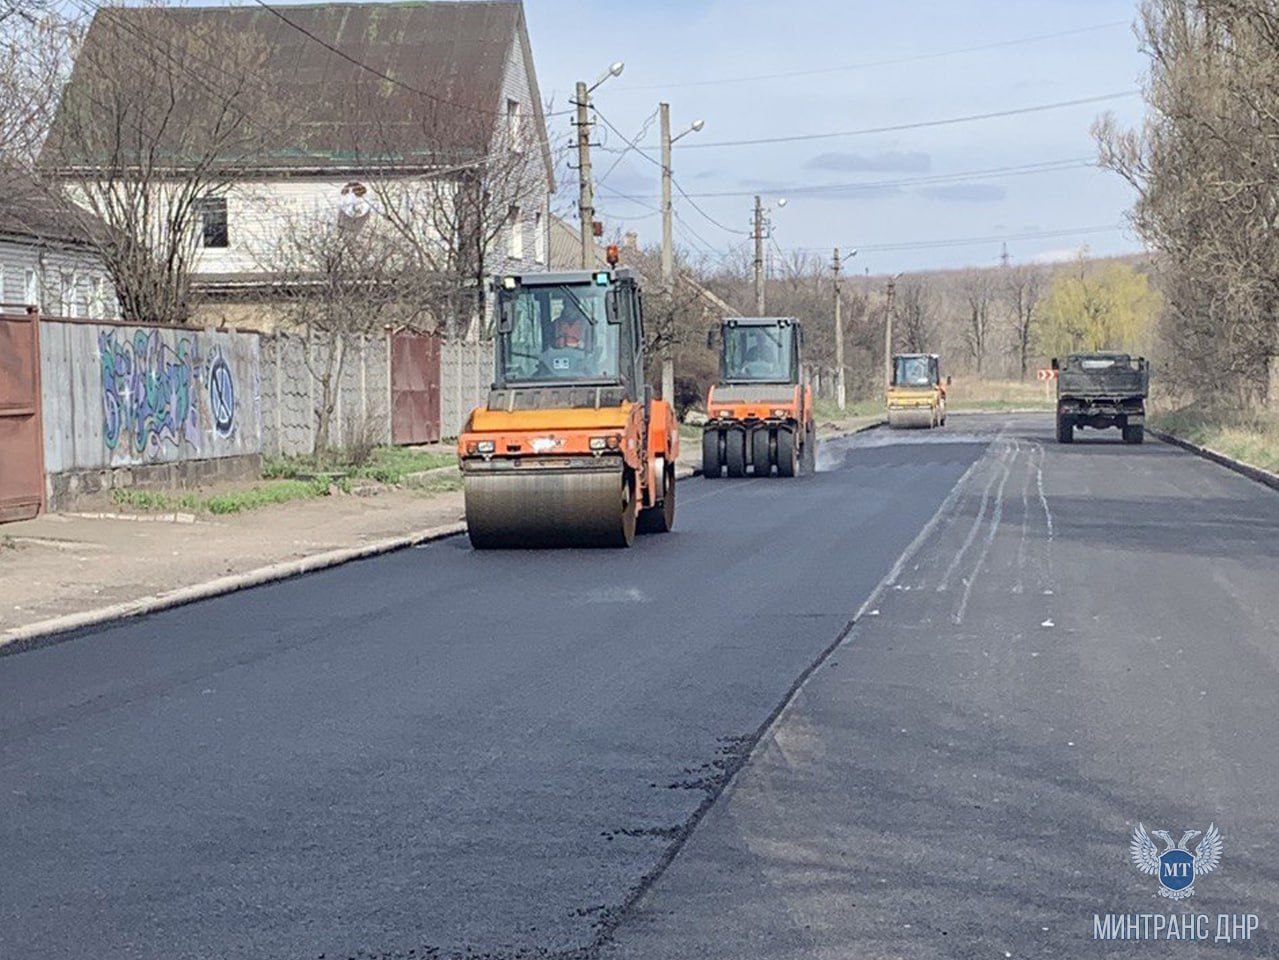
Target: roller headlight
x=485 y=446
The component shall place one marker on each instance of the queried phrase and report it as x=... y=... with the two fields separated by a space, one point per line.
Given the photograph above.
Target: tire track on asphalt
x=944 y=584
x=997 y=515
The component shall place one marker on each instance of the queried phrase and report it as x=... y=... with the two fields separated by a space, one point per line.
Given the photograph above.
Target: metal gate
x=21 y=439
x=415 y=388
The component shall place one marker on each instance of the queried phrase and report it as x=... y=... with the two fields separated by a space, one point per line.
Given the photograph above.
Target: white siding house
x=45 y=263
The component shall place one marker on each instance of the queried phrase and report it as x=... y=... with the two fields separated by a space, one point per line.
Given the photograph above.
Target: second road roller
x=571 y=448
x=760 y=412
x=917 y=394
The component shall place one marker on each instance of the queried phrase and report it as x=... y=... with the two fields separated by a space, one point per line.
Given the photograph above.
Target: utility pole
x=668 y=256
x=840 y=396
x=759 y=257
x=1004 y=258
x=888 y=336
x=585 y=189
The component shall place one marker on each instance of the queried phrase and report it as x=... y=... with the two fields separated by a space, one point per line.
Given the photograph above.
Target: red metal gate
x=21 y=438
x=415 y=388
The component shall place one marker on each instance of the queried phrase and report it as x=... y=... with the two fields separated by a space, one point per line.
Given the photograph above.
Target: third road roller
x=760 y=412
x=571 y=448
x=917 y=394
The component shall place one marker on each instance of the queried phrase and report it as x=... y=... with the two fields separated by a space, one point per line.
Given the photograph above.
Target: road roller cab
x=760 y=412
x=917 y=394
x=571 y=449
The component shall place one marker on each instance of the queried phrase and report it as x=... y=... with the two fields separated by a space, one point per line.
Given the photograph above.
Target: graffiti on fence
x=153 y=390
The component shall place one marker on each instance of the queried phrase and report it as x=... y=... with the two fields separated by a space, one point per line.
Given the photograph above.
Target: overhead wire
x=915 y=58
x=918 y=125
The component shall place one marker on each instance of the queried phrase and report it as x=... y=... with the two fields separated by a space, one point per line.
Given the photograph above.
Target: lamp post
x=761 y=224
x=668 y=244
x=586 y=190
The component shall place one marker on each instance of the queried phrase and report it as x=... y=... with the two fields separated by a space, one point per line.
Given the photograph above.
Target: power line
x=1045 y=166
x=971 y=241
x=967 y=118
x=882 y=63
x=621 y=154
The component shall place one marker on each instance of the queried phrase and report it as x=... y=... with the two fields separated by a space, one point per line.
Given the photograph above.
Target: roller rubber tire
x=712 y=462
x=787 y=456
x=735 y=452
x=1065 y=430
x=808 y=458
x=760 y=452
x=660 y=517
x=1135 y=433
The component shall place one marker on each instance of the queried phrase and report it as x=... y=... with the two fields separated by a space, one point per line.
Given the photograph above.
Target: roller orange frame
x=570 y=430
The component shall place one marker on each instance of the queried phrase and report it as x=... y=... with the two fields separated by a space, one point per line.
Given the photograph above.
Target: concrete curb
x=1230 y=463
x=20 y=638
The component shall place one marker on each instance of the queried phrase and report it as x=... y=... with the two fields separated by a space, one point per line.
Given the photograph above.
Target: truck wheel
x=1135 y=433
x=660 y=517
x=712 y=460
x=787 y=464
x=1065 y=429
x=735 y=452
x=760 y=452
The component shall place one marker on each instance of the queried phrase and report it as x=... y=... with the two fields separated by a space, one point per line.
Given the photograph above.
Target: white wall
x=56 y=269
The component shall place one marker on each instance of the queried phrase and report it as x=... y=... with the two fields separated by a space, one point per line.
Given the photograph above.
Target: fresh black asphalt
x=438 y=752
x=1087 y=639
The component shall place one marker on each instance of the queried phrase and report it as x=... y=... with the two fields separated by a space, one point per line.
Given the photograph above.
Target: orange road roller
x=760 y=412
x=571 y=449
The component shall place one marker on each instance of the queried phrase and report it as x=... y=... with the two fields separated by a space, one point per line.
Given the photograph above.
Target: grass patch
x=439 y=483
x=827 y=411
x=1250 y=436
x=967 y=394
x=235 y=501
x=389 y=465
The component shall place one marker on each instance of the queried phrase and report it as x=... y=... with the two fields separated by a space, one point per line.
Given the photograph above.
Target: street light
x=695 y=127
x=615 y=70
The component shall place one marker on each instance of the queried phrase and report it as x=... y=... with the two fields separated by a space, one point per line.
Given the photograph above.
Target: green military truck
x=1102 y=390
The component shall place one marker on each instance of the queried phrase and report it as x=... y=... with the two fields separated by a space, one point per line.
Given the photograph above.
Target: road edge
x=1230 y=463
x=19 y=639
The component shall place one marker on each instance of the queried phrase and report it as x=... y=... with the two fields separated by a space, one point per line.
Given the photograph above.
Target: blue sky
x=683 y=50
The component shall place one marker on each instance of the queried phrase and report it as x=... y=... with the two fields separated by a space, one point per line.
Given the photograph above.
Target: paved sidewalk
x=59 y=564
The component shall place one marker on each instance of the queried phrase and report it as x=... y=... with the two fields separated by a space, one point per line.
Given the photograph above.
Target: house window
x=539 y=237
x=98 y=304
x=513 y=124
x=66 y=294
x=213 y=221
x=32 y=292
x=517 y=233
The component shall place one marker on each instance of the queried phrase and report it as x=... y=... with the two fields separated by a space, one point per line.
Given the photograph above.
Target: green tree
x=1098 y=306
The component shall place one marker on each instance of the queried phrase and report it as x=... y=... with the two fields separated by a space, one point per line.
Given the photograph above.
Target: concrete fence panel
x=466 y=373
x=127 y=403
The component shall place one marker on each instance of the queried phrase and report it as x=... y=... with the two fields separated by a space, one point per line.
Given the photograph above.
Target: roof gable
x=407 y=81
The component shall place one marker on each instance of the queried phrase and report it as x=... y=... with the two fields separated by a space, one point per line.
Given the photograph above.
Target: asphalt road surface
x=579 y=753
